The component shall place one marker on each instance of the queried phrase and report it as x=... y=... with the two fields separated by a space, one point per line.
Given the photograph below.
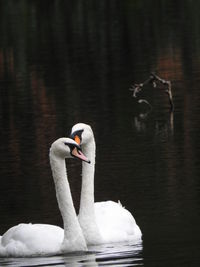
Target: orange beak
x=77 y=139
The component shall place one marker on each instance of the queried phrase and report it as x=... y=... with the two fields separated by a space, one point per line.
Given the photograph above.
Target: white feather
x=25 y=240
x=101 y=222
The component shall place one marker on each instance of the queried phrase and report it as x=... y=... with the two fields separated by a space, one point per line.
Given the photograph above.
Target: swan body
x=31 y=240
x=115 y=223
x=25 y=240
x=101 y=222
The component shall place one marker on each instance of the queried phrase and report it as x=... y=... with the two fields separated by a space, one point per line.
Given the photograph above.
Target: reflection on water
x=161 y=128
x=119 y=254
x=107 y=255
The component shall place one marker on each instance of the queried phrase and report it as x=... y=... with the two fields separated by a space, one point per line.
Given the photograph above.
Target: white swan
x=101 y=222
x=43 y=239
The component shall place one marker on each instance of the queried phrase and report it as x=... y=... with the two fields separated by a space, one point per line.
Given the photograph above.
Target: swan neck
x=88 y=170
x=72 y=231
x=87 y=216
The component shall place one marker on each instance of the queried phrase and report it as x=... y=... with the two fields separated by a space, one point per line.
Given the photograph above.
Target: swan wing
x=115 y=223
x=31 y=239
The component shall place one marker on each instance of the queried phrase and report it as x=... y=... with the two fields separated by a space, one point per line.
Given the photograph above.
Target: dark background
x=63 y=62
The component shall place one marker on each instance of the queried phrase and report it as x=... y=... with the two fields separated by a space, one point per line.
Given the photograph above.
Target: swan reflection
x=123 y=254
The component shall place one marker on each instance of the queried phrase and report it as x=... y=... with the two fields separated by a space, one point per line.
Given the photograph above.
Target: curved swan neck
x=73 y=236
x=88 y=170
x=87 y=216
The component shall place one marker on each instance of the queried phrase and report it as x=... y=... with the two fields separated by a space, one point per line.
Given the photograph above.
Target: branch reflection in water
x=164 y=127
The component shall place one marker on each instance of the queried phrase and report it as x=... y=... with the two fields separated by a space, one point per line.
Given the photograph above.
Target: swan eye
x=72 y=146
x=69 y=144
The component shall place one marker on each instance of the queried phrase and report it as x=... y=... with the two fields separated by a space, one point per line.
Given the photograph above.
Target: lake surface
x=63 y=62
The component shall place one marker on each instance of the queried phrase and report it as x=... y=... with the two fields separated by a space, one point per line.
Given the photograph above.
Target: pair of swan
x=97 y=223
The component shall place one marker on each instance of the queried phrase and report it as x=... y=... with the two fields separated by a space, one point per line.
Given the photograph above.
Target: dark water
x=63 y=62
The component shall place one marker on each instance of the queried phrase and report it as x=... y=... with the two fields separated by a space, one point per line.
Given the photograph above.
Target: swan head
x=67 y=148
x=82 y=133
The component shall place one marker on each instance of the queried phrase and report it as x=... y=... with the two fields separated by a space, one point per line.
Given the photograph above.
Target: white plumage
x=115 y=223
x=42 y=239
x=101 y=222
x=31 y=239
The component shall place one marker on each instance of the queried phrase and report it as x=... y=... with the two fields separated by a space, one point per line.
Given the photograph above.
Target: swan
x=25 y=240
x=101 y=222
